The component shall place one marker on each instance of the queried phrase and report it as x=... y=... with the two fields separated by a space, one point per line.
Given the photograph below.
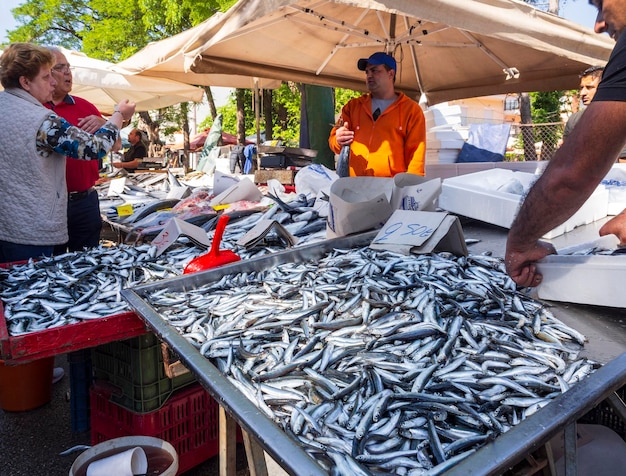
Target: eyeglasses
x=61 y=68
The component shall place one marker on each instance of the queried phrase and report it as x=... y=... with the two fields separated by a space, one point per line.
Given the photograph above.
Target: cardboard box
x=584 y=279
x=494 y=196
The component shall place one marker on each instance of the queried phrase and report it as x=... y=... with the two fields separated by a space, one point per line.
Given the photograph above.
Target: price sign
x=407 y=227
x=124 y=210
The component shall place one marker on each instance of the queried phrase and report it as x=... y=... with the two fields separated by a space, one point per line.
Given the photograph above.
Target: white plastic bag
x=314 y=178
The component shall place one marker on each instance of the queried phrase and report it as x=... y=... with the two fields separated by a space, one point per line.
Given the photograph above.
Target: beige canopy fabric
x=165 y=59
x=99 y=83
x=446 y=49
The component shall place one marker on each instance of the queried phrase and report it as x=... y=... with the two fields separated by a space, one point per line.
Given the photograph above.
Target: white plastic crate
x=592 y=279
x=494 y=196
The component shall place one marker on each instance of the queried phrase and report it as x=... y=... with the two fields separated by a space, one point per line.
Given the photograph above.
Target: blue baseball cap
x=376 y=59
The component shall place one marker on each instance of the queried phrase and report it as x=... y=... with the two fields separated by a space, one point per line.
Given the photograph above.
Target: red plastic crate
x=189 y=421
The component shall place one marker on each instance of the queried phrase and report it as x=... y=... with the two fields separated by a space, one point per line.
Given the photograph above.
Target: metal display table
x=504 y=452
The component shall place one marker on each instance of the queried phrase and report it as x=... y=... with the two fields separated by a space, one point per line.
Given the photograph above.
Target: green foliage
x=286 y=115
x=108 y=29
x=286 y=102
x=546 y=106
x=229 y=114
x=342 y=96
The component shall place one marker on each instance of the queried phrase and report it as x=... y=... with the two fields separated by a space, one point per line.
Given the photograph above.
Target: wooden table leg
x=228 y=444
x=255 y=456
x=228 y=448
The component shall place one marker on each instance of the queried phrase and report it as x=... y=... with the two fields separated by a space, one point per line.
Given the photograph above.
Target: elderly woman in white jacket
x=34 y=142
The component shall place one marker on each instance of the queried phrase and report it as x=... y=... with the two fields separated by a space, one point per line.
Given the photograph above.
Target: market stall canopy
x=165 y=59
x=446 y=49
x=97 y=82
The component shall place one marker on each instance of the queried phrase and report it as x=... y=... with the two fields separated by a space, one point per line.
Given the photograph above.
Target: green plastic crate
x=135 y=369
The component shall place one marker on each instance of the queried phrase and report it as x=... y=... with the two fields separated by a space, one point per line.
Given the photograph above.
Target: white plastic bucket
x=161 y=455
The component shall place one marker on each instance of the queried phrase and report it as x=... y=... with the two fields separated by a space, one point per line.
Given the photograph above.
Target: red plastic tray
x=60 y=340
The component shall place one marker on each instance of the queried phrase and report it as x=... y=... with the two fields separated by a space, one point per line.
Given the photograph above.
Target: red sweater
x=81 y=174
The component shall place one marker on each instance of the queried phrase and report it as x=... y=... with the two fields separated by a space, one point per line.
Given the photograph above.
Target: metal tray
x=497 y=456
x=282 y=448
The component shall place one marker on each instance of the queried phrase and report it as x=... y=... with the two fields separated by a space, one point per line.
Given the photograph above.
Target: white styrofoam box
x=441 y=118
x=593 y=209
x=615 y=182
x=476 y=195
x=444 y=144
x=442 y=156
x=591 y=279
x=494 y=196
x=617 y=200
x=448 y=170
x=460 y=134
x=449 y=109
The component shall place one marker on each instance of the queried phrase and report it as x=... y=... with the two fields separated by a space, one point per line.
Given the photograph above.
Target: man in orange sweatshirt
x=386 y=130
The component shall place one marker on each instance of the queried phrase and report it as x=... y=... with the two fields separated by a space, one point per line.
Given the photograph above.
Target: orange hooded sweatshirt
x=394 y=143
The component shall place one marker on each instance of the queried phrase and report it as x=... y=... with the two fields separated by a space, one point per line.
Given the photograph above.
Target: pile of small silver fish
x=379 y=363
x=79 y=286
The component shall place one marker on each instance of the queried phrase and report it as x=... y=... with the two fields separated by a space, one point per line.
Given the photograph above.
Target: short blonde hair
x=23 y=59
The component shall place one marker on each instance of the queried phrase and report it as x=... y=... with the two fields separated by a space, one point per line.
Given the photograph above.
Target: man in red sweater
x=83 y=208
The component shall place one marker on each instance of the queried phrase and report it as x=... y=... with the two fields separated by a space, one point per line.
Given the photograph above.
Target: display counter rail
x=559 y=415
x=60 y=340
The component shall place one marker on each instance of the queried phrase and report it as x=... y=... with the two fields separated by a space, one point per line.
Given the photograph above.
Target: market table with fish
x=606 y=336
x=337 y=364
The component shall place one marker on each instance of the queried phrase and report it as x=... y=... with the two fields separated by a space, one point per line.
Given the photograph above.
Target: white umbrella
x=447 y=49
x=103 y=85
x=165 y=59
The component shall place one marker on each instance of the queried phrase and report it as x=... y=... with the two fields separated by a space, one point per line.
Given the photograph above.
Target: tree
x=112 y=30
x=546 y=109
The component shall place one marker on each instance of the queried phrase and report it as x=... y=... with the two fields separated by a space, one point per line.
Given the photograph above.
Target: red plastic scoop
x=215 y=257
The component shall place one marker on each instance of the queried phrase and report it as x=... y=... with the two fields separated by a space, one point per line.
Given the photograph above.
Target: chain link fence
x=534 y=141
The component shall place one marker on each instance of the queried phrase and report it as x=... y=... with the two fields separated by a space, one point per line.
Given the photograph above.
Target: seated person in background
x=134 y=154
x=589 y=80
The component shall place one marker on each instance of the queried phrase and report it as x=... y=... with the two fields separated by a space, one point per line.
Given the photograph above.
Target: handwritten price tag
x=408 y=227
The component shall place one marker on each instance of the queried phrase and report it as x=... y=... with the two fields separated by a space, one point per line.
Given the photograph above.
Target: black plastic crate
x=273 y=162
x=80 y=381
x=603 y=414
x=135 y=369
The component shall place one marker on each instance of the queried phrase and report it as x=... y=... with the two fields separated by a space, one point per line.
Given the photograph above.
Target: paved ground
x=30 y=442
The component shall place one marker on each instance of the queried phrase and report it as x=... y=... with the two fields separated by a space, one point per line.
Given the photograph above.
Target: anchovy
x=343 y=163
x=381 y=363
